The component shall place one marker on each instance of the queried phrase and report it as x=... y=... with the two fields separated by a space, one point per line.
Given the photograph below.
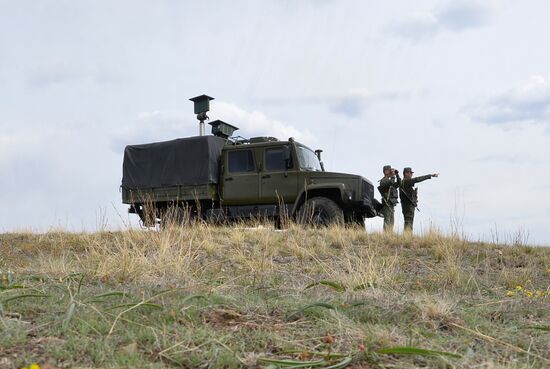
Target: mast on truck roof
x=201 y=105
x=219 y=128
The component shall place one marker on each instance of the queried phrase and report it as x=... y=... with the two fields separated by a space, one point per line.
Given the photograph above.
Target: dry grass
x=233 y=295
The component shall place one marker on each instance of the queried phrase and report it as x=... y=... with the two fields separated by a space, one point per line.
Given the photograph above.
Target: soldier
x=409 y=196
x=388 y=190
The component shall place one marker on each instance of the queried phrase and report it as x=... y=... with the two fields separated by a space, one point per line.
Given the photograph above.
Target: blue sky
x=456 y=87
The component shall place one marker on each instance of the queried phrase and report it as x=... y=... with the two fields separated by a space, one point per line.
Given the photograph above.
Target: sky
x=460 y=88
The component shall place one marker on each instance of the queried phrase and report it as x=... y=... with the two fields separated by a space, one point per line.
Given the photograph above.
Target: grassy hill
x=238 y=297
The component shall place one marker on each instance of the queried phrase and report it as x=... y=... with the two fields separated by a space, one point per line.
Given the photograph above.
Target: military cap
x=386 y=167
x=407 y=169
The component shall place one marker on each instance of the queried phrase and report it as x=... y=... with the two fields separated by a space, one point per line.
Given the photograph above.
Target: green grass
x=225 y=297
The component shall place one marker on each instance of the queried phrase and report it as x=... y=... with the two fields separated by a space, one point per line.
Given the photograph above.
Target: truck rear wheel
x=178 y=216
x=320 y=211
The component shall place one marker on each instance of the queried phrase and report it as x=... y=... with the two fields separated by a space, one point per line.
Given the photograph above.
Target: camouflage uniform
x=408 y=194
x=388 y=190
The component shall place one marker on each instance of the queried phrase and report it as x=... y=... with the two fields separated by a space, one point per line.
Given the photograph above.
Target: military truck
x=222 y=178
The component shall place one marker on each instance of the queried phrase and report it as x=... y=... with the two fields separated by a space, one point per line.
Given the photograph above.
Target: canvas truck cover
x=183 y=161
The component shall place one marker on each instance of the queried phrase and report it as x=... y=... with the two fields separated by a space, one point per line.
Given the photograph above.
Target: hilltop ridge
x=244 y=297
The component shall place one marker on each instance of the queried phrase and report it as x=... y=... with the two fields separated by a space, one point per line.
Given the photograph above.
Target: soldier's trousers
x=388 y=213
x=408 y=214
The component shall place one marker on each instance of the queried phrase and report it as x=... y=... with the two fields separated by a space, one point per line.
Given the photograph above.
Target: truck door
x=240 y=178
x=279 y=177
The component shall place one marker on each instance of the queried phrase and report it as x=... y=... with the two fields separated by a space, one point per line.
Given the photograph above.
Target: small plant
x=32 y=366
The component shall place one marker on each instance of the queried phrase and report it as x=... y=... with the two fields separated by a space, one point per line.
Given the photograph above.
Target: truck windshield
x=307 y=159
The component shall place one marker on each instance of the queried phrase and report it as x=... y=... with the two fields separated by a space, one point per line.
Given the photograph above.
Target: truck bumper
x=369 y=208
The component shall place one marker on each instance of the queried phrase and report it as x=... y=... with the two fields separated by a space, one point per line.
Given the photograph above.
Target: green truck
x=217 y=177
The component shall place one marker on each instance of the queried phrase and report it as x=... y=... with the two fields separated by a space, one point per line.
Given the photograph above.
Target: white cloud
x=55 y=177
x=60 y=72
x=464 y=14
x=162 y=125
x=351 y=104
x=528 y=102
x=255 y=123
x=454 y=16
x=154 y=126
x=417 y=26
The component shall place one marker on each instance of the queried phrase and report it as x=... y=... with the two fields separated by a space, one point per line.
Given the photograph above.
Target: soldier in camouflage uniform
x=409 y=196
x=388 y=190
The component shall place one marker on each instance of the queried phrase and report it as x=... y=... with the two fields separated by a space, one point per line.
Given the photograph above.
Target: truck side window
x=240 y=161
x=275 y=159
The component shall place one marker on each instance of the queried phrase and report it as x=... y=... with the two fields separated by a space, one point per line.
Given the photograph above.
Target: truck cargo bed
x=170 y=194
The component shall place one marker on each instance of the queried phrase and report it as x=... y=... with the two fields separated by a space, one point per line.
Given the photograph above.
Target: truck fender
x=313 y=187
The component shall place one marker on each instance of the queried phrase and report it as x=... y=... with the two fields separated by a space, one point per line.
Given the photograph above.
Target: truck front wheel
x=320 y=211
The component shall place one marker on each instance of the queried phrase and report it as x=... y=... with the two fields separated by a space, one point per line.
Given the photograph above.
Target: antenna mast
x=201 y=106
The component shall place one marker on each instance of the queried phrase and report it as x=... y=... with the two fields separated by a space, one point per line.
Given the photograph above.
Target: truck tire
x=320 y=211
x=148 y=216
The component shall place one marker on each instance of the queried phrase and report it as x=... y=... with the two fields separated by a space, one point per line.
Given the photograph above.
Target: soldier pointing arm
x=408 y=194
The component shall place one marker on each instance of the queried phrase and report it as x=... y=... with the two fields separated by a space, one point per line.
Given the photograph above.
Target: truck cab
x=266 y=176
